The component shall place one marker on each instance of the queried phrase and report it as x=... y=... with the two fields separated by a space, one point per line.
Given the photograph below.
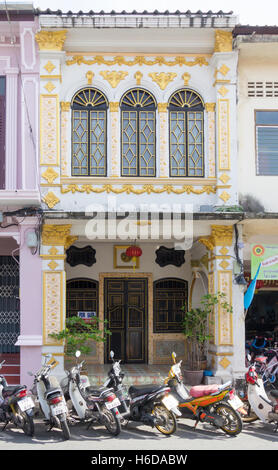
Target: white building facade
x=137 y=125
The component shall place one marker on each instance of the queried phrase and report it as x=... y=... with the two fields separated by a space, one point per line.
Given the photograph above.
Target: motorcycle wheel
x=64 y=426
x=233 y=422
x=26 y=423
x=111 y=421
x=251 y=416
x=170 y=421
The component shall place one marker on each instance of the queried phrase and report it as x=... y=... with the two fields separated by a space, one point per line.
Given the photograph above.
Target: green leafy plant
x=79 y=333
x=196 y=324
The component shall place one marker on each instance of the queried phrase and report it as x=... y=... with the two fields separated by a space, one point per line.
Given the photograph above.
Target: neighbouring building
x=257 y=48
x=138 y=118
x=20 y=202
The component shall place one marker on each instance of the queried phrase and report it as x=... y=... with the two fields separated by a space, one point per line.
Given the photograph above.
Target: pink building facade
x=20 y=215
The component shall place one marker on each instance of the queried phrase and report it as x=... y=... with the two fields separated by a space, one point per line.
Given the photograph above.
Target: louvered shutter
x=2 y=141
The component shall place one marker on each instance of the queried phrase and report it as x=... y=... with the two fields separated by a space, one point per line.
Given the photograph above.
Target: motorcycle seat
x=261 y=359
x=203 y=390
x=12 y=389
x=137 y=390
x=96 y=392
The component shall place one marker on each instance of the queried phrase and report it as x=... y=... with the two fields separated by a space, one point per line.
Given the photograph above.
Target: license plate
x=26 y=403
x=113 y=404
x=170 y=402
x=58 y=409
x=236 y=403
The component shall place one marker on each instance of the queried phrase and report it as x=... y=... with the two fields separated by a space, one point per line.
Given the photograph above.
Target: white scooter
x=51 y=398
x=90 y=404
x=261 y=405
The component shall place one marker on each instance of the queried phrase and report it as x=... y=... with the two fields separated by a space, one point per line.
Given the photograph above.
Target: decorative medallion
x=138 y=77
x=186 y=77
x=90 y=76
x=51 y=200
x=223 y=90
x=49 y=67
x=49 y=87
x=224 y=178
x=225 y=196
x=224 y=362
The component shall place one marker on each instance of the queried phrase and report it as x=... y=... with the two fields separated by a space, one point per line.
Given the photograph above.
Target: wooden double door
x=125 y=310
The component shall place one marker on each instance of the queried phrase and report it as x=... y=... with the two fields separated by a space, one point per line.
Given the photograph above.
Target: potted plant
x=195 y=327
x=79 y=333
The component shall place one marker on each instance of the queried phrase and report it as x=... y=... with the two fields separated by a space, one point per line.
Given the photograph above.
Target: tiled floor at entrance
x=135 y=374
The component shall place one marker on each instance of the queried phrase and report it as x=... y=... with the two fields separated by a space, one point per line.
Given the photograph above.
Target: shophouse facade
x=20 y=263
x=137 y=124
x=257 y=143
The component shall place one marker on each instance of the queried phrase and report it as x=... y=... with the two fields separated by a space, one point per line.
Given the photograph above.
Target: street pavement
x=136 y=437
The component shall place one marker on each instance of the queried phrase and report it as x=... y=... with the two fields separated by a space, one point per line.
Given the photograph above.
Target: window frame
x=155 y=304
x=186 y=110
x=82 y=291
x=89 y=110
x=138 y=110
x=256 y=140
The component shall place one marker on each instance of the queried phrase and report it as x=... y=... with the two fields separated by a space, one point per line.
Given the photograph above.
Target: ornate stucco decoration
x=49 y=67
x=163 y=78
x=210 y=107
x=223 y=41
x=186 y=77
x=49 y=87
x=162 y=107
x=130 y=189
x=51 y=40
x=55 y=234
x=114 y=77
x=114 y=106
x=138 y=60
x=221 y=235
x=138 y=77
x=90 y=76
x=65 y=105
x=50 y=175
x=51 y=199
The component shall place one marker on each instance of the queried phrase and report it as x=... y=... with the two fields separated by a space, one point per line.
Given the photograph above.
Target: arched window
x=138 y=139
x=186 y=114
x=170 y=295
x=82 y=297
x=89 y=110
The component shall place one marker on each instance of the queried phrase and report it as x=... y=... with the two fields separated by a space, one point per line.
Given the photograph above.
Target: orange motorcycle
x=214 y=404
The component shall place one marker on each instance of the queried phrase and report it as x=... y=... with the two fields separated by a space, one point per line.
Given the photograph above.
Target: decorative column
x=51 y=58
x=163 y=150
x=55 y=240
x=226 y=355
x=210 y=108
x=11 y=128
x=114 y=148
x=224 y=62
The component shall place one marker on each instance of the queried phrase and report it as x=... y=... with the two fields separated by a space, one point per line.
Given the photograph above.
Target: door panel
x=126 y=307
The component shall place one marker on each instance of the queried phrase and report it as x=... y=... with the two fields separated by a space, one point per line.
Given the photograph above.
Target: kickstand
x=196 y=424
x=90 y=424
x=5 y=425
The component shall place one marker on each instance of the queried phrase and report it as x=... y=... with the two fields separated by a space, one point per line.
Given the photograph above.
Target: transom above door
x=125 y=309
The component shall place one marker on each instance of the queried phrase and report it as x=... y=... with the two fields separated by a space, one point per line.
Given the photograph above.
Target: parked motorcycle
x=260 y=405
x=51 y=398
x=16 y=406
x=150 y=404
x=214 y=404
x=89 y=404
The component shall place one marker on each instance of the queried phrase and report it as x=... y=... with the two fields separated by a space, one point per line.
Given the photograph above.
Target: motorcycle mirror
x=111 y=354
x=30 y=373
x=174 y=357
x=77 y=354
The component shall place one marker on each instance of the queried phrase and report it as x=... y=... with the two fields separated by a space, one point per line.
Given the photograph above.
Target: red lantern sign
x=134 y=251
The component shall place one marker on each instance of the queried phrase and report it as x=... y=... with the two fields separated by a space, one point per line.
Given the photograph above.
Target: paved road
x=255 y=436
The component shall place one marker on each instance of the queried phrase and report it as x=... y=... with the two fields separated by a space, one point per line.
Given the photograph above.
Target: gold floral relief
x=49 y=133
x=223 y=41
x=113 y=77
x=163 y=78
x=139 y=61
x=53 y=289
x=51 y=40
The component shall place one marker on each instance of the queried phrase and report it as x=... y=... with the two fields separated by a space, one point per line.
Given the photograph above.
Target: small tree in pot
x=196 y=329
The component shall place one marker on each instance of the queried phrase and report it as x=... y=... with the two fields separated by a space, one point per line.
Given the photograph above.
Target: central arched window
x=186 y=114
x=89 y=110
x=138 y=137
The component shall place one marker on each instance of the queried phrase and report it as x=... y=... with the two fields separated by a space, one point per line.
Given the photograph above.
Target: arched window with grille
x=170 y=295
x=82 y=296
x=186 y=126
x=89 y=135
x=138 y=134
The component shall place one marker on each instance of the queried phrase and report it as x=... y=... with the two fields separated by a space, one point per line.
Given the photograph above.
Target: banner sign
x=267 y=256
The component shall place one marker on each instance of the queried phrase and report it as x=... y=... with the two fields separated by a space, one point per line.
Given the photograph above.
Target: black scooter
x=149 y=404
x=16 y=406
